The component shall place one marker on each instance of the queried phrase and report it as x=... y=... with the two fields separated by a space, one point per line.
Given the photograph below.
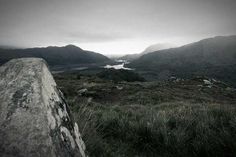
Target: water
x=118 y=66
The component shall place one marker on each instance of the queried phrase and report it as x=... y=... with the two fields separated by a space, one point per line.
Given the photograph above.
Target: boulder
x=35 y=120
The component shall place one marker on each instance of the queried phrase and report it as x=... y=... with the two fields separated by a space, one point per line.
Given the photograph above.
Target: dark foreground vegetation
x=185 y=118
x=120 y=75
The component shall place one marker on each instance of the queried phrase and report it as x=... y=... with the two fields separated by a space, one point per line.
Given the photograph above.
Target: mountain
x=157 y=47
x=66 y=55
x=8 y=47
x=130 y=57
x=213 y=57
x=152 y=48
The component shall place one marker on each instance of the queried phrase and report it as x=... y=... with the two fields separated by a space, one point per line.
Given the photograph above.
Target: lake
x=118 y=66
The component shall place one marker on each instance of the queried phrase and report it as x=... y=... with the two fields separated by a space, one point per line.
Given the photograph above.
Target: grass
x=178 y=129
x=153 y=120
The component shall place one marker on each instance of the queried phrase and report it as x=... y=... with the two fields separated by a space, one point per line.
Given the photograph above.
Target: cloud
x=84 y=37
x=31 y=23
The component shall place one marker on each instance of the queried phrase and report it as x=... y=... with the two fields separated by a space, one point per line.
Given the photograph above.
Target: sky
x=113 y=27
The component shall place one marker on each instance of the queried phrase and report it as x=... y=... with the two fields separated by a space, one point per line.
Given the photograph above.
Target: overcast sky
x=113 y=26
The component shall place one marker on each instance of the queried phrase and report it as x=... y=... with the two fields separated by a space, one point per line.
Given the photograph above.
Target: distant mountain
x=213 y=57
x=152 y=48
x=8 y=47
x=67 y=55
x=130 y=57
x=157 y=47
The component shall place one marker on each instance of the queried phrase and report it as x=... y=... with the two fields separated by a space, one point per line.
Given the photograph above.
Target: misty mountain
x=157 y=47
x=152 y=48
x=213 y=57
x=67 y=55
x=8 y=47
x=130 y=57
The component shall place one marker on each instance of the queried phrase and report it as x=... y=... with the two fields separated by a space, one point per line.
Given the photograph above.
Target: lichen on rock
x=34 y=117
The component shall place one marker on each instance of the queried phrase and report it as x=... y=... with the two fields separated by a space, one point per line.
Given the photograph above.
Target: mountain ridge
x=213 y=57
x=54 y=55
x=149 y=49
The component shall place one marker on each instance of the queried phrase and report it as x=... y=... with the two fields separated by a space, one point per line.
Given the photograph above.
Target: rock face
x=34 y=117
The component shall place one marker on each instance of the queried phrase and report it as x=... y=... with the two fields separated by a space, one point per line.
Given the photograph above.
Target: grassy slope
x=173 y=118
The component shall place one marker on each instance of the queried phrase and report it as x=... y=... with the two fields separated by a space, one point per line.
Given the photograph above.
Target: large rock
x=34 y=117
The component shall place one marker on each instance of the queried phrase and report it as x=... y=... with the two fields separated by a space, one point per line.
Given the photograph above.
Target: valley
x=117 y=78
x=172 y=102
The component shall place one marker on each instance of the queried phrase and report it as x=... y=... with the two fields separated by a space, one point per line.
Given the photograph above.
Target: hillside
x=67 y=55
x=213 y=57
x=174 y=118
x=119 y=75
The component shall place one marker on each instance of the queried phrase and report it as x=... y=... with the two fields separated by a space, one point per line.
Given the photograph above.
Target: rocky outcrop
x=34 y=117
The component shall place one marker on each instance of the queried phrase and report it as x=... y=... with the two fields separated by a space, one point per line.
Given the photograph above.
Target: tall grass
x=167 y=130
